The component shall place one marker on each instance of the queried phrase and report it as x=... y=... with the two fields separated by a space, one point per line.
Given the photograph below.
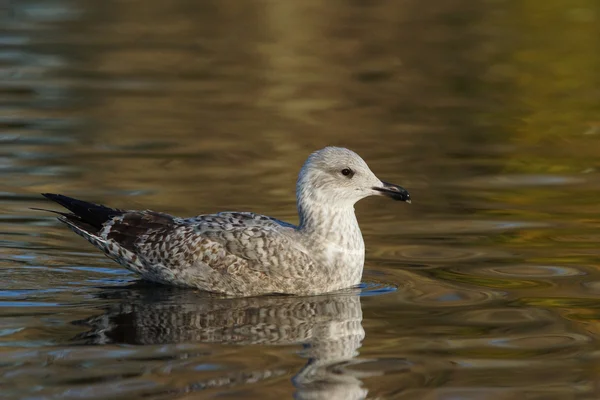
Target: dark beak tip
x=394 y=191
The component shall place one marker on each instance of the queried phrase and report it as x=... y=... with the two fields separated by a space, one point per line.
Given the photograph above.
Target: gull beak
x=394 y=191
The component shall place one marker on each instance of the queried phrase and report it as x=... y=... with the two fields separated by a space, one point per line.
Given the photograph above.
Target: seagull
x=244 y=254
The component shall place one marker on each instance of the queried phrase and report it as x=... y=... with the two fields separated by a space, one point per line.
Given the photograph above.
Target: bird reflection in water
x=329 y=327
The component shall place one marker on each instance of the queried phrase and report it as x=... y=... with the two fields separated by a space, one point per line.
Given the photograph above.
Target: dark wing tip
x=59 y=198
x=92 y=214
x=51 y=196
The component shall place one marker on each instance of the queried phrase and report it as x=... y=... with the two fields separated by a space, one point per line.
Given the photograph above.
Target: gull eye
x=347 y=172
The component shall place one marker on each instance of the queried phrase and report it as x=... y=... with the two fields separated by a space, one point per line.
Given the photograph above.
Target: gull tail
x=96 y=223
x=84 y=218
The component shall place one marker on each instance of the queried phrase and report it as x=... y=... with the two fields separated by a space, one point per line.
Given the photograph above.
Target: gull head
x=338 y=176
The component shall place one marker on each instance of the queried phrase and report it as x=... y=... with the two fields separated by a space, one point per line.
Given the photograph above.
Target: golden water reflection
x=486 y=286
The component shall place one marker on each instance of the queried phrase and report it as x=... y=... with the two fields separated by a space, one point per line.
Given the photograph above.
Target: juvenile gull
x=242 y=253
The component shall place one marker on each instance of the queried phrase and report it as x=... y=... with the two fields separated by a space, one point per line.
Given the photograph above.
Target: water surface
x=486 y=287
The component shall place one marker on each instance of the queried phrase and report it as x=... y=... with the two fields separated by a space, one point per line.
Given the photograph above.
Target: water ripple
x=529 y=271
x=521 y=180
x=434 y=255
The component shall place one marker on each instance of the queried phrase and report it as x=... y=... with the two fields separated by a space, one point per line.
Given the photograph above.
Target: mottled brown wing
x=127 y=229
x=265 y=243
x=224 y=242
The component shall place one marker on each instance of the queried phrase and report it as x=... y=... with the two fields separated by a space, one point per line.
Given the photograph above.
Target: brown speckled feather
x=233 y=253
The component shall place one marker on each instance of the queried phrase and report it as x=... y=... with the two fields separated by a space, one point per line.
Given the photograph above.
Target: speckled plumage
x=245 y=254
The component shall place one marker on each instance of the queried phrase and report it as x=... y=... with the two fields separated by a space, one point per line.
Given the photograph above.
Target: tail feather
x=88 y=219
x=87 y=216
